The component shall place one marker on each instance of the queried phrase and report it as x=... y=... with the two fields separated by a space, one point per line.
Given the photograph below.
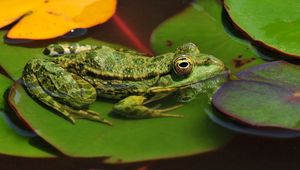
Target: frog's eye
x=183 y=65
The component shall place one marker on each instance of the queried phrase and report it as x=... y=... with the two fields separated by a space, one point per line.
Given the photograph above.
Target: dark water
x=245 y=152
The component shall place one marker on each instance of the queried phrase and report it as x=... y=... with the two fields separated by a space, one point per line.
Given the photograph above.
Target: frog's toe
x=72 y=119
x=159 y=114
x=90 y=115
x=93 y=113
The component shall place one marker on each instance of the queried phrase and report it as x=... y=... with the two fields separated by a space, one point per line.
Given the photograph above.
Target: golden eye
x=183 y=65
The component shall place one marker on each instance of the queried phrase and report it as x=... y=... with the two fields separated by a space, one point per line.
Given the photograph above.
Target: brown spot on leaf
x=53 y=13
x=169 y=43
x=239 y=62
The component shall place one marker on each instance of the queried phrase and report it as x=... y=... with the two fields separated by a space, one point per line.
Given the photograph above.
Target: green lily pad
x=17 y=142
x=14 y=140
x=202 y=24
x=127 y=140
x=273 y=24
x=267 y=96
x=5 y=83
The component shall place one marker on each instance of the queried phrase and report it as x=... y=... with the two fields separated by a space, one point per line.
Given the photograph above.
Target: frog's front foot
x=133 y=107
x=90 y=115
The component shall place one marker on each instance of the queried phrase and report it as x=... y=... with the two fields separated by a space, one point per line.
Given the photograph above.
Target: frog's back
x=119 y=64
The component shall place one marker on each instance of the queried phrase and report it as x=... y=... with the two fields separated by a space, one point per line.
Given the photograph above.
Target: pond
x=36 y=137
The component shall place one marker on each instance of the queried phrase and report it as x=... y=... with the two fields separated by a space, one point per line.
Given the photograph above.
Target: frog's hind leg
x=133 y=107
x=37 y=91
x=62 y=49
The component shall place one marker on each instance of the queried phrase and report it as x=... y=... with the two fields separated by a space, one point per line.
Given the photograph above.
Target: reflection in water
x=274 y=133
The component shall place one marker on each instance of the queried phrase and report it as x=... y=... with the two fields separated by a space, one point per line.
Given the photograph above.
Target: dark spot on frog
x=169 y=43
x=46 y=51
x=239 y=62
x=127 y=71
x=46 y=1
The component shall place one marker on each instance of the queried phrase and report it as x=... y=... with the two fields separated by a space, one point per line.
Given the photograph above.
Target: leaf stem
x=130 y=34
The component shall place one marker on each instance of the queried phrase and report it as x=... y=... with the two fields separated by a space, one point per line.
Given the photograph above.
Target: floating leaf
x=202 y=25
x=278 y=72
x=127 y=140
x=14 y=140
x=5 y=83
x=268 y=96
x=44 y=19
x=273 y=24
x=17 y=142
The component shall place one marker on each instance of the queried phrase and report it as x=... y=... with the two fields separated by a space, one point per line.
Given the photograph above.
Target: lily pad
x=267 y=96
x=272 y=24
x=14 y=140
x=39 y=19
x=277 y=72
x=127 y=140
x=5 y=83
x=18 y=142
x=202 y=24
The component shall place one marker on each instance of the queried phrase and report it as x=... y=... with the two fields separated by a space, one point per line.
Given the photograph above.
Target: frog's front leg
x=62 y=49
x=133 y=107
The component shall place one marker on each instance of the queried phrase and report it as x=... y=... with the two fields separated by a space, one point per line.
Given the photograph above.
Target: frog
x=73 y=76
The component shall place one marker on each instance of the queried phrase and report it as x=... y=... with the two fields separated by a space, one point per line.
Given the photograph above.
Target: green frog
x=73 y=75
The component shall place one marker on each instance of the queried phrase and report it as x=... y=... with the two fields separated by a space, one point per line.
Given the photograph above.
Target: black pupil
x=184 y=64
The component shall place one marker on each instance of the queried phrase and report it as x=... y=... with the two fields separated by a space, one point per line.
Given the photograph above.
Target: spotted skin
x=64 y=87
x=74 y=75
x=55 y=50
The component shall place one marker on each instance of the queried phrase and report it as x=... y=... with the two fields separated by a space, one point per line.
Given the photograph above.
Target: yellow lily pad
x=44 y=19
